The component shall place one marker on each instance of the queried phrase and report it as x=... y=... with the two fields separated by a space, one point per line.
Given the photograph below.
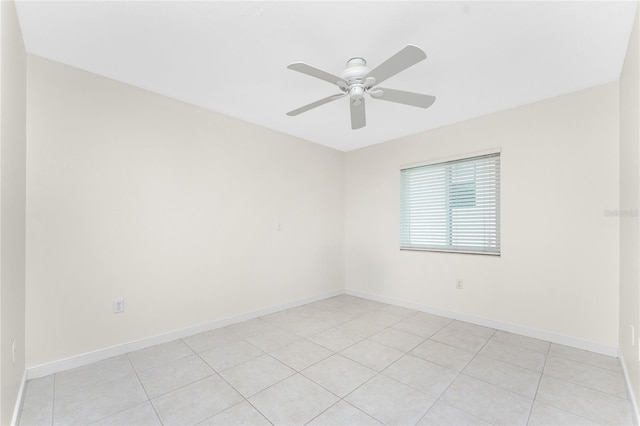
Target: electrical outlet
x=118 y=306
x=459 y=285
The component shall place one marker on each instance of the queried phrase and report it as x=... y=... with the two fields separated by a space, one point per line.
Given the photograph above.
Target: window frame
x=448 y=229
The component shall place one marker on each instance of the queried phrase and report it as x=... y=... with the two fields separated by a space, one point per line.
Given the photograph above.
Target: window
x=452 y=206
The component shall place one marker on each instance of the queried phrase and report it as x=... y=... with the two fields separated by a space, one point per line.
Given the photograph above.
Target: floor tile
x=419 y=328
x=362 y=328
x=37 y=405
x=487 y=402
x=431 y=318
x=257 y=374
x=211 y=339
x=584 y=402
x=231 y=354
x=329 y=316
x=140 y=415
x=282 y=318
x=242 y=414
x=584 y=374
x=301 y=354
x=372 y=354
x=381 y=396
x=520 y=380
x=38 y=393
x=383 y=318
x=362 y=306
x=586 y=357
x=196 y=402
x=293 y=401
x=423 y=375
x=442 y=414
x=160 y=354
x=338 y=374
x=252 y=327
x=76 y=381
x=465 y=327
x=171 y=376
x=329 y=303
x=460 y=339
x=546 y=415
x=98 y=401
x=397 y=339
x=343 y=414
x=444 y=355
x=37 y=416
x=399 y=310
x=522 y=341
x=335 y=338
x=514 y=354
x=273 y=339
x=306 y=326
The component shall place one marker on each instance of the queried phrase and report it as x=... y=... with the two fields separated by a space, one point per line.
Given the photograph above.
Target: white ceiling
x=231 y=56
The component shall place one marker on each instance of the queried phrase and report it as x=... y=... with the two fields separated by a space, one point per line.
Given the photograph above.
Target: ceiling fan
x=359 y=79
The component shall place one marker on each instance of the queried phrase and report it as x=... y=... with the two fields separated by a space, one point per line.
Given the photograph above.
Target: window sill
x=486 y=253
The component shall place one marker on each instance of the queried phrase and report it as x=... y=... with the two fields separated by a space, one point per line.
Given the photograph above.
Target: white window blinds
x=452 y=206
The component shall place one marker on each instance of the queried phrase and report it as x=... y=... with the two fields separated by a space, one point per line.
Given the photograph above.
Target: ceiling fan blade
x=358 y=118
x=316 y=104
x=408 y=98
x=408 y=56
x=315 y=72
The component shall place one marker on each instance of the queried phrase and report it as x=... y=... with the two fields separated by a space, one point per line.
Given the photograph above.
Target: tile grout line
x=323 y=411
x=130 y=407
x=343 y=398
x=535 y=395
x=145 y=390
x=162 y=364
x=584 y=363
x=53 y=401
x=381 y=371
x=588 y=388
x=456 y=378
x=404 y=354
x=589 y=366
x=334 y=353
x=295 y=370
x=517 y=365
x=155 y=410
x=558 y=408
x=245 y=399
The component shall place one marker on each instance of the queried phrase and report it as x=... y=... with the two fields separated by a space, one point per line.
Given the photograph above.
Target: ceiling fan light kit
x=358 y=79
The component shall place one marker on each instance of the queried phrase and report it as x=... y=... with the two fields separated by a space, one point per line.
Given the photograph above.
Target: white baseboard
x=498 y=325
x=101 y=354
x=632 y=396
x=19 y=399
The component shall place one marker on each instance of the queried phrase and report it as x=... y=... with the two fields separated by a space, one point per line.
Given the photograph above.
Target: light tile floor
x=340 y=361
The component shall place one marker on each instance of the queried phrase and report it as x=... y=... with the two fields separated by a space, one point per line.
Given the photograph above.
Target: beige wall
x=174 y=208
x=12 y=208
x=629 y=201
x=558 y=272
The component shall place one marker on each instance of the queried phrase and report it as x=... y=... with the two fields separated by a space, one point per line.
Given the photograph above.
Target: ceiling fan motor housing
x=354 y=75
